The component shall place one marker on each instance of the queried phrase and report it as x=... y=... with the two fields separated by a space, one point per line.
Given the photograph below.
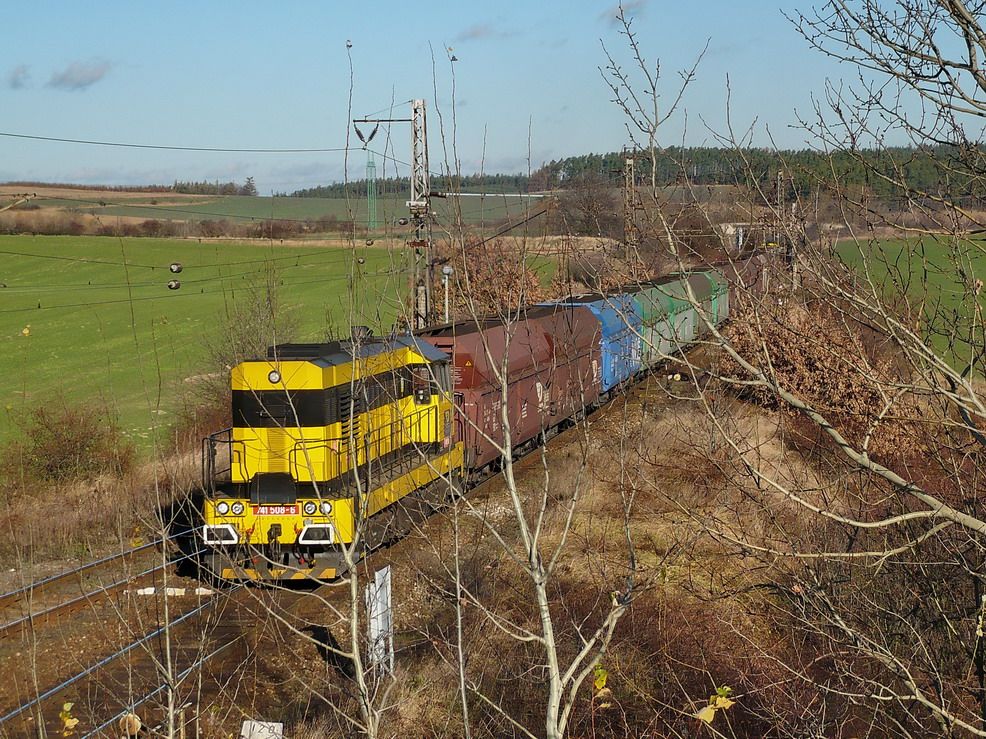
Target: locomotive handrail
x=366 y=448
x=210 y=473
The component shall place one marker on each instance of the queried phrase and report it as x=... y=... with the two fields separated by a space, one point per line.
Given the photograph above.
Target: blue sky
x=257 y=75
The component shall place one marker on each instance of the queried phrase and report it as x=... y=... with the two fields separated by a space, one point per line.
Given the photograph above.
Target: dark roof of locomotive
x=335 y=353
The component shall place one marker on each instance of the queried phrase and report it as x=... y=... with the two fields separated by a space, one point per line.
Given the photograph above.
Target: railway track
x=132 y=679
x=38 y=592
x=218 y=630
x=35 y=705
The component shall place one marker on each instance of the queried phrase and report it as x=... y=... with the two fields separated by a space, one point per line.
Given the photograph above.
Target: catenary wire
x=185 y=280
x=79 y=259
x=163 y=147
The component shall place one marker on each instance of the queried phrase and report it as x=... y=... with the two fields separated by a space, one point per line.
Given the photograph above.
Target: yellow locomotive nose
x=321 y=432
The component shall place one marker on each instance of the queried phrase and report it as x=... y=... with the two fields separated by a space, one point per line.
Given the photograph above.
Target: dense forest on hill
x=491 y=183
x=925 y=169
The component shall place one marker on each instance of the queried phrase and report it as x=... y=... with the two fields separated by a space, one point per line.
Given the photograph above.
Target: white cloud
x=631 y=8
x=19 y=77
x=482 y=31
x=80 y=75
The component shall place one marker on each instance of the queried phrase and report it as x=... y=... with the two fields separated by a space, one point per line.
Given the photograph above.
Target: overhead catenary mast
x=631 y=201
x=419 y=207
x=371 y=195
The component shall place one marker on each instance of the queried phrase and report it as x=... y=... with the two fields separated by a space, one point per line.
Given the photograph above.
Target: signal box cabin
x=620 y=324
x=552 y=361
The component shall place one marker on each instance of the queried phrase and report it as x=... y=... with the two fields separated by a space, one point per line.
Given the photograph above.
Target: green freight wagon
x=670 y=321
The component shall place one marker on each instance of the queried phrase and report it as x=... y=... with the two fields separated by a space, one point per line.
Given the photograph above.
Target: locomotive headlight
x=274 y=377
x=326 y=508
x=309 y=508
x=222 y=508
x=236 y=509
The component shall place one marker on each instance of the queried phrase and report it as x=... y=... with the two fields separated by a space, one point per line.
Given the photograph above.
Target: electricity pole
x=631 y=203
x=371 y=195
x=419 y=207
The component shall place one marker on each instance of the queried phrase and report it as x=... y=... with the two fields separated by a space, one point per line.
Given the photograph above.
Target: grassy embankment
x=91 y=318
x=936 y=275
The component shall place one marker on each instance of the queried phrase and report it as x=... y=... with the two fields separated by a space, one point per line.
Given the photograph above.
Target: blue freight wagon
x=620 y=323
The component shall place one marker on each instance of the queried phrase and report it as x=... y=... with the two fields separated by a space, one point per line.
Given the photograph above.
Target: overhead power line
x=123 y=145
x=80 y=259
x=509 y=227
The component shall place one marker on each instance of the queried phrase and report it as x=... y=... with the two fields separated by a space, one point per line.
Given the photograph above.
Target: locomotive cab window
x=421 y=384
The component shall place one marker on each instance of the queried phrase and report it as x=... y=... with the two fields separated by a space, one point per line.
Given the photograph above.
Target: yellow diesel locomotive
x=333 y=446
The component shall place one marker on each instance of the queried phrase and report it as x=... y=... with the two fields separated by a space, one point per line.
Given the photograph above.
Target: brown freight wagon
x=552 y=374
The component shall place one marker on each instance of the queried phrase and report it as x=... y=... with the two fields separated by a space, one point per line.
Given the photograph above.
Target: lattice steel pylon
x=630 y=233
x=371 y=193
x=420 y=187
x=418 y=206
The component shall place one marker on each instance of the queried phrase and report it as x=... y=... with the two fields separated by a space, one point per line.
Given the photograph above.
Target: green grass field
x=936 y=275
x=92 y=317
x=474 y=210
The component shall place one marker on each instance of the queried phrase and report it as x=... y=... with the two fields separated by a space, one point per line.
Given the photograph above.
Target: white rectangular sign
x=380 y=622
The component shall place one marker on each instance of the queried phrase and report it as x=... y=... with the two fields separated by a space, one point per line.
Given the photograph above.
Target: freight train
x=336 y=448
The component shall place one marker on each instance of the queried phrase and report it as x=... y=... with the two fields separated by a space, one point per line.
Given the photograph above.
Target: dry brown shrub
x=84 y=517
x=599 y=271
x=490 y=278
x=832 y=366
x=60 y=441
x=672 y=651
x=72 y=485
x=204 y=411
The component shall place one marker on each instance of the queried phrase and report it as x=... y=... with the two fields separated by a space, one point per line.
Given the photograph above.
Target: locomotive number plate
x=275 y=510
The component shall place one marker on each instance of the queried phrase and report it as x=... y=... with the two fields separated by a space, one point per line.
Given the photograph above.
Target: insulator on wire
x=173 y=284
x=175 y=267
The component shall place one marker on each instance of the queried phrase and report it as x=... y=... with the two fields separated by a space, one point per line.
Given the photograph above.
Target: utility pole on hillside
x=631 y=203
x=419 y=208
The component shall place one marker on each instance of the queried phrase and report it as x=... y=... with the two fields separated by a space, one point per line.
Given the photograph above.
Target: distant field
x=474 y=210
x=102 y=324
x=934 y=273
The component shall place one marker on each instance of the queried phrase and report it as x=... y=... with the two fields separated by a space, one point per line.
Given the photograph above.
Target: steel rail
x=14 y=595
x=187 y=671
x=178 y=678
x=105 y=590
x=107 y=660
